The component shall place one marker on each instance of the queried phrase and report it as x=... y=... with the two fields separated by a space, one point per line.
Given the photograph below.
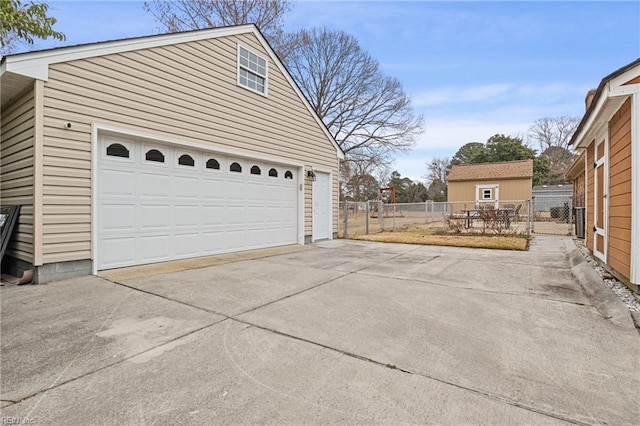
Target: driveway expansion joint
x=402 y=370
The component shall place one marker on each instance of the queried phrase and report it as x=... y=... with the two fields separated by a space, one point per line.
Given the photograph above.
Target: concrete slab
x=235 y=374
x=477 y=273
x=347 y=332
x=555 y=357
x=154 y=269
x=236 y=287
x=63 y=330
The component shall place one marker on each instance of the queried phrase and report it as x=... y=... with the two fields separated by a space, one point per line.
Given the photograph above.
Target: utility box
x=579 y=215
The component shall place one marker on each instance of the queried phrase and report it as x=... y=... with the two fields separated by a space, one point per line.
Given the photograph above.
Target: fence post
x=366 y=218
x=393 y=225
x=528 y=217
x=533 y=214
x=381 y=215
x=346 y=220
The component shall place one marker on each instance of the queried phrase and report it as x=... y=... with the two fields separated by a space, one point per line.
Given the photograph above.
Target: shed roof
x=484 y=171
x=544 y=189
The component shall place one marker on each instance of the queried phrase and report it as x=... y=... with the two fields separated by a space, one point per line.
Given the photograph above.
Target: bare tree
x=438 y=169
x=368 y=114
x=553 y=135
x=183 y=15
x=548 y=132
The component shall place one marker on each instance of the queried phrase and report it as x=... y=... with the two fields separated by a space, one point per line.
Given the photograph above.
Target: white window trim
x=495 y=192
x=265 y=76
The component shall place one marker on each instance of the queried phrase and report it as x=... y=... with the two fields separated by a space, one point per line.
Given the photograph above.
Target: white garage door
x=159 y=202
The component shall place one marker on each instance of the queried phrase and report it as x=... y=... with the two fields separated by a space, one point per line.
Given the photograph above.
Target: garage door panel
x=150 y=212
x=117 y=251
x=118 y=217
x=154 y=185
x=117 y=183
x=185 y=187
x=154 y=217
x=186 y=216
x=187 y=244
x=154 y=247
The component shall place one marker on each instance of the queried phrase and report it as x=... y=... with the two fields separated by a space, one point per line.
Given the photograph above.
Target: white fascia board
x=36 y=64
x=582 y=140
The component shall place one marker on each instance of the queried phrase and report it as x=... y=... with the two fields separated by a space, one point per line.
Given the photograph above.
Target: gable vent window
x=273 y=173
x=154 y=155
x=255 y=170
x=212 y=163
x=288 y=175
x=186 y=160
x=117 y=150
x=252 y=71
x=235 y=167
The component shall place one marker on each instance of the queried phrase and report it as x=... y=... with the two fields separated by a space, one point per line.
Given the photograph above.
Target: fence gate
x=552 y=215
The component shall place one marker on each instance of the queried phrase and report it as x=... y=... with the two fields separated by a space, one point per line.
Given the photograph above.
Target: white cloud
x=506 y=93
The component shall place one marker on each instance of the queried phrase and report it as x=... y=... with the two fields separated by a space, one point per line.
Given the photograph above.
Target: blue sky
x=473 y=69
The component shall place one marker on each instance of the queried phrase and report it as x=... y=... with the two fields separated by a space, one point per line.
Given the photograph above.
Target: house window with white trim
x=252 y=71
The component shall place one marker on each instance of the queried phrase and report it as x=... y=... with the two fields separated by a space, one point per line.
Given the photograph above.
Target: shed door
x=159 y=202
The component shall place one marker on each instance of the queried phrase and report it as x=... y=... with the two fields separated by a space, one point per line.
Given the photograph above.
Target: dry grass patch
x=427 y=236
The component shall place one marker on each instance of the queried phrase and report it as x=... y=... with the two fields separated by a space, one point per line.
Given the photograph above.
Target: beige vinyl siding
x=619 y=248
x=16 y=160
x=186 y=91
x=509 y=190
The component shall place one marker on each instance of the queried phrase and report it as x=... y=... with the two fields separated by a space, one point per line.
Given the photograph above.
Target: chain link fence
x=359 y=218
x=552 y=215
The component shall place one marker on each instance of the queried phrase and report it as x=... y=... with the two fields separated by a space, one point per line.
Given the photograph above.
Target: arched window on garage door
x=155 y=156
x=117 y=150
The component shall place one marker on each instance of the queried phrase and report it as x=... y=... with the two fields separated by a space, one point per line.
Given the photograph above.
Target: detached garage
x=160 y=148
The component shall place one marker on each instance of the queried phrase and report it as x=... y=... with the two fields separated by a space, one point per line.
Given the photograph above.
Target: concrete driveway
x=343 y=332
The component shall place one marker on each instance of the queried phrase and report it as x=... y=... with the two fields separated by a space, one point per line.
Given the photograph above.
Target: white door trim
x=604 y=163
x=635 y=187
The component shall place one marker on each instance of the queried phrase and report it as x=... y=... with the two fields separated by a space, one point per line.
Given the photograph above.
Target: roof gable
x=490 y=171
x=609 y=96
x=19 y=70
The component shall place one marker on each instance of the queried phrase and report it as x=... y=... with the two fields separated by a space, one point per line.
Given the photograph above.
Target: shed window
x=288 y=175
x=255 y=170
x=154 y=155
x=486 y=194
x=252 y=71
x=186 y=160
x=117 y=150
x=235 y=167
x=212 y=163
x=273 y=173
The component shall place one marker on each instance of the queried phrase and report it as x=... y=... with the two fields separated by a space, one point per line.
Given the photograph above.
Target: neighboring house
x=545 y=197
x=490 y=183
x=158 y=148
x=609 y=136
x=575 y=173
